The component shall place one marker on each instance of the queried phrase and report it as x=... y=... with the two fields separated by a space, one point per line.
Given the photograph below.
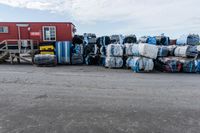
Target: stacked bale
x=91 y=55
x=77 y=51
x=102 y=43
x=77 y=54
x=142 y=57
x=168 y=64
x=179 y=59
x=114 y=56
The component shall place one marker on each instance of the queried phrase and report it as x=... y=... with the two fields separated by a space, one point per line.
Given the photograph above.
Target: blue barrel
x=63 y=52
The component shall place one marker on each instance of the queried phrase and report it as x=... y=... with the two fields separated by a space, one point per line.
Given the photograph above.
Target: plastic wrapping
x=198 y=48
x=152 y=40
x=149 y=51
x=114 y=62
x=103 y=50
x=77 y=59
x=143 y=39
x=140 y=64
x=197 y=65
x=115 y=50
x=171 y=49
x=103 y=41
x=117 y=39
x=163 y=51
x=92 y=60
x=188 y=65
x=186 y=51
x=162 y=40
x=158 y=40
x=45 y=60
x=168 y=64
x=130 y=39
x=89 y=38
x=131 y=49
x=63 y=52
x=190 y=39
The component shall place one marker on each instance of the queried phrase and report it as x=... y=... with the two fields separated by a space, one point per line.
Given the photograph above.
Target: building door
x=23 y=31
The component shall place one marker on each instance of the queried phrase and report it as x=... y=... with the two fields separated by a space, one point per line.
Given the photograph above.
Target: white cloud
x=139 y=14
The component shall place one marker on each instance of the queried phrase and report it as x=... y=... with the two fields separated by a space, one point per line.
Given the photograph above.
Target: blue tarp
x=63 y=50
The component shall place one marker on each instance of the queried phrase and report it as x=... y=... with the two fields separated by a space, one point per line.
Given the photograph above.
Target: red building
x=37 y=31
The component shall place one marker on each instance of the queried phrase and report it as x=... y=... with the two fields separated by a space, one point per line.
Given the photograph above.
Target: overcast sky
x=105 y=17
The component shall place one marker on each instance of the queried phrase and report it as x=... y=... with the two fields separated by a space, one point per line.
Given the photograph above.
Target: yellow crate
x=51 y=53
x=45 y=48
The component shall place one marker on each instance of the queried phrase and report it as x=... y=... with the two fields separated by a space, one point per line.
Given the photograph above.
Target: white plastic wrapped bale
x=132 y=49
x=140 y=64
x=114 y=62
x=116 y=50
x=186 y=51
x=181 y=51
x=149 y=51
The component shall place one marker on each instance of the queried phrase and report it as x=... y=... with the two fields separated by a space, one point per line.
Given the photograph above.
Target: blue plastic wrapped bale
x=63 y=52
x=152 y=40
x=115 y=50
x=114 y=62
x=186 y=51
x=190 y=39
x=163 y=51
x=77 y=59
x=188 y=65
x=140 y=64
x=131 y=49
x=197 y=65
x=168 y=64
x=45 y=60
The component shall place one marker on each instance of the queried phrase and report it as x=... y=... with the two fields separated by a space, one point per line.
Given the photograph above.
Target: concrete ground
x=82 y=99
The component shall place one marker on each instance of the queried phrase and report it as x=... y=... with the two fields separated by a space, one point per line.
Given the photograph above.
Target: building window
x=49 y=33
x=3 y=29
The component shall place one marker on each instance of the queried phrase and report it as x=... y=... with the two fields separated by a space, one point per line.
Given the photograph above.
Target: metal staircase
x=22 y=50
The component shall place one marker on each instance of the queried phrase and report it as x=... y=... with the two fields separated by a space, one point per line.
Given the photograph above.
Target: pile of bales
x=144 y=54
